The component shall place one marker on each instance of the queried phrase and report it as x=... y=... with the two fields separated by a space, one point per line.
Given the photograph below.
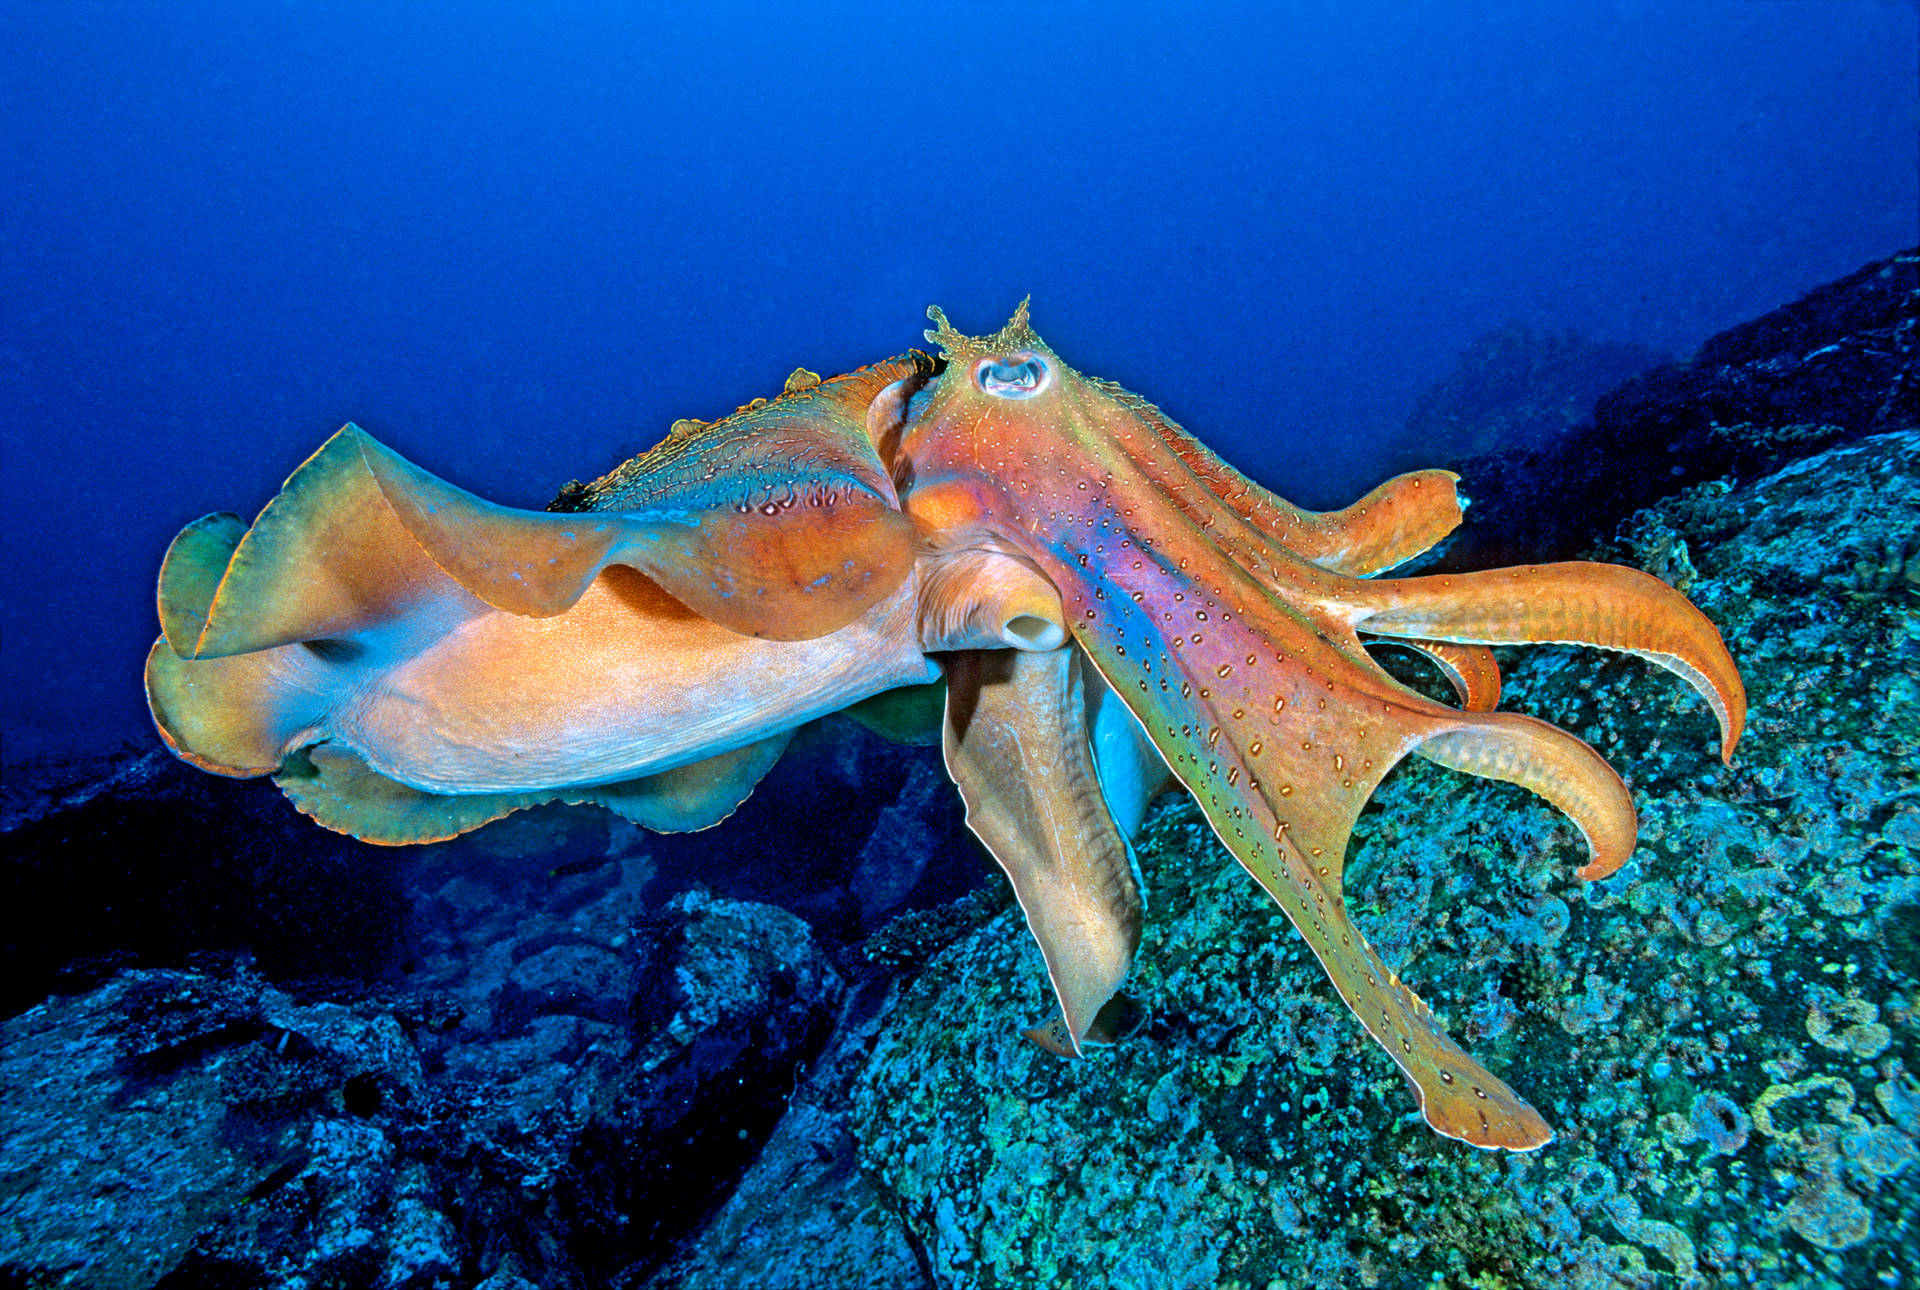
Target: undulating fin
x=1017 y=745
x=195 y=562
x=265 y=627
x=1390 y=525
x=325 y=559
x=781 y=556
x=231 y=716
x=689 y=798
x=532 y=563
x=1470 y=669
x=1608 y=606
x=1548 y=761
x=911 y=714
x=335 y=786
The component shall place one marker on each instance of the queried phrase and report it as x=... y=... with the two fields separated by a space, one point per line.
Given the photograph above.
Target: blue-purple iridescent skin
x=1242 y=659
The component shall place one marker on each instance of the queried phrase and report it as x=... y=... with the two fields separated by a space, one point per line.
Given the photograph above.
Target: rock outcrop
x=1841 y=363
x=1723 y=1032
x=555 y=1114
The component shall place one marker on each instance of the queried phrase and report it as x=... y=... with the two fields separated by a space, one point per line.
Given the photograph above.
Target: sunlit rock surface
x=1723 y=1032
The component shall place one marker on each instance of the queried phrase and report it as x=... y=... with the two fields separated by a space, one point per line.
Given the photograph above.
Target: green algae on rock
x=1724 y=1029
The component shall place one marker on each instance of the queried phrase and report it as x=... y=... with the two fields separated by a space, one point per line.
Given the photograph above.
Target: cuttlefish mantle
x=1113 y=611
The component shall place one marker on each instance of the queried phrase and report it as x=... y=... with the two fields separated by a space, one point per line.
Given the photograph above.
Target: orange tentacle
x=1607 y=606
x=1546 y=760
x=1470 y=669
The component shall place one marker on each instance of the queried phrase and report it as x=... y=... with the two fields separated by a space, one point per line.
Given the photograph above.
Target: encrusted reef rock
x=1723 y=1032
x=555 y=1113
x=1839 y=363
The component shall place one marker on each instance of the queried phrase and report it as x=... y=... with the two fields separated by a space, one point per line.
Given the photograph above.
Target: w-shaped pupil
x=1020 y=380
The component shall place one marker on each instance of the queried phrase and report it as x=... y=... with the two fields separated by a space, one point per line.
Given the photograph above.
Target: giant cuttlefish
x=1111 y=608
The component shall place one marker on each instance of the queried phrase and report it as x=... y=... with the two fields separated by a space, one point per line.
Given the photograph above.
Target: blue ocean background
x=515 y=241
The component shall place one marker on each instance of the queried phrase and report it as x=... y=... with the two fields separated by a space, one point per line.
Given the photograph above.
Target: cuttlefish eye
x=1020 y=377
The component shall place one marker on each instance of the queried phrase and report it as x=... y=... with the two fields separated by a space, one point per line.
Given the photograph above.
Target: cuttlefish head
x=996 y=399
x=1054 y=774
x=1233 y=627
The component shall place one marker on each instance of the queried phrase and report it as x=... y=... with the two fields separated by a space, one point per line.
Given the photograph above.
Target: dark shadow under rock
x=847 y=831
x=143 y=859
x=803 y=1214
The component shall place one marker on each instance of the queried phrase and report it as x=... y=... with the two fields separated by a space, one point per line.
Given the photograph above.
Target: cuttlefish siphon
x=1112 y=611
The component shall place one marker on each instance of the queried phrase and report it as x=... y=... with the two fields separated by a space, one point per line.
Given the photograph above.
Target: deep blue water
x=516 y=242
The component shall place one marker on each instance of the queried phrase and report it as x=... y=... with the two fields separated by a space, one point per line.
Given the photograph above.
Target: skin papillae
x=1035 y=569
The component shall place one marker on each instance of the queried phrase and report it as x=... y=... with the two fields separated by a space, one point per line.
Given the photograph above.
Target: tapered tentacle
x=1546 y=760
x=1604 y=605
x=1017 y=746
x=1470 y=669
x=1389 y=526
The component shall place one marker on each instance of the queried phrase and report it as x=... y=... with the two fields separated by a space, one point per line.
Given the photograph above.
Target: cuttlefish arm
x=1281 y=759
x=1607 y=606
x=449 y=660
x=1037 y=760
x=1243 y=663
x=1394 y=522
x=1269 y=536
x=1470 y=669
x=1018 y=746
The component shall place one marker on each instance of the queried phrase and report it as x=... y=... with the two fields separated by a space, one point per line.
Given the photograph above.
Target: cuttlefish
x=1106 y=607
